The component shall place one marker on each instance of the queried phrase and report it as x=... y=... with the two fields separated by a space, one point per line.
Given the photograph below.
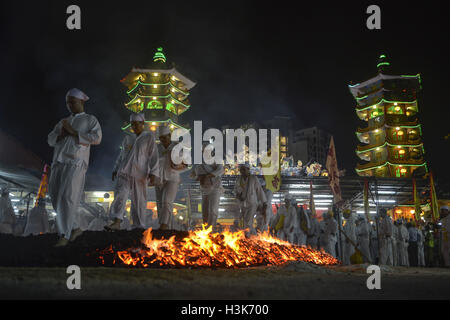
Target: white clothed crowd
x=141 y=162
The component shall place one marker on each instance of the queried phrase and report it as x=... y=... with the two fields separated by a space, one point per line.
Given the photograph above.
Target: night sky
x=251 y=61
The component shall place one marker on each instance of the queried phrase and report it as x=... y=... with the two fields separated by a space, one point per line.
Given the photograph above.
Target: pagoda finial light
x=159 y=55
x=382 y=62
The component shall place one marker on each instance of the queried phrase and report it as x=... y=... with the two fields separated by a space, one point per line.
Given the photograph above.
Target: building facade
x=391 y=141
x=310 y=144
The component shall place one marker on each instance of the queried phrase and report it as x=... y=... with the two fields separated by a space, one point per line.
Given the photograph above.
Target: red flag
x=333 y=172
x=43 y=186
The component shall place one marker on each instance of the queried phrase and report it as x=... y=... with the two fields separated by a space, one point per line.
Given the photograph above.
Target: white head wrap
x=137 y=117
x=77 y=93
x=164 y=130
x=444 y=207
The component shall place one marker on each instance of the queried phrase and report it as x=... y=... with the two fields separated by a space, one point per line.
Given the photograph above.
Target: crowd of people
x=382 y=241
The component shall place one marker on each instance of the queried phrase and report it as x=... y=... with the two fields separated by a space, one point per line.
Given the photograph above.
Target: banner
x=273 y=182
x=43 y=186
x=333 y=173
x=417 y=209
x=434 y=203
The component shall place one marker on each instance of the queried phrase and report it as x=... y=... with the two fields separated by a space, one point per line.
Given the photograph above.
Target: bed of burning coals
x=158 y=249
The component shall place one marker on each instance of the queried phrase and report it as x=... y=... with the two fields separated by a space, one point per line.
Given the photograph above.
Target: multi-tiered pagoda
x=161 y=92
x=392 y=140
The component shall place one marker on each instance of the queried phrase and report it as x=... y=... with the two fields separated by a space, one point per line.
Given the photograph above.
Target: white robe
x=363 y=236
x=7 y=215
x=403 y=246
x=445 y=247
x=420 y=248
x=68 y=170
x=263 y=217
x=348 y=249
x=290 y=221
x=211 y=189
x=385 y=231
x=37 y=221
x=313 y=233
x=328 y=235
x=249 y=193
x=302 y=227
x=394 y=240
x=137 y=160
x=166 y=192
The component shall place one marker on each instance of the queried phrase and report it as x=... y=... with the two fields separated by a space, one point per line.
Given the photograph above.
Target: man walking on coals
x=71 y=139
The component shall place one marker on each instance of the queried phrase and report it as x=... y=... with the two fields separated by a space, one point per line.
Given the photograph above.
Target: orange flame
x=202 y=248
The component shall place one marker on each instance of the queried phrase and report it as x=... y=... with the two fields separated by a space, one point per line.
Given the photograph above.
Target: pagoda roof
x=131 y=77
x=361 y=88
x=373 y=165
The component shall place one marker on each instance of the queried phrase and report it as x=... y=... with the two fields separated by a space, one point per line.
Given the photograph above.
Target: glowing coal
x=203 y=248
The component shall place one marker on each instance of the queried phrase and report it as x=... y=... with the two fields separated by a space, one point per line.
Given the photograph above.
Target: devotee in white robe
x=136 y=167
x=263 y=216
x=169 y=174
x=7 y=215
x=249 y=193
x=37 y=220
x=71 y=139
x=210 y=178
x=348 y=249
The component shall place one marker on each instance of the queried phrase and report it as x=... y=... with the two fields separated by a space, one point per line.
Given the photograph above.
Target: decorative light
x=398 y=128
x=374 y=107
x=155 y=86
x=395 y=103
x=400 y=133
x=154 y=98
x=153 y=123
x=153 y=128
x=397 y=108
x=378 y=149
x=412 y=211
x=401 y=151
x=398 y=211
x=173 y=89
x=172 y=126
x=173 y=78
x=156 y=74
x=403 y=170
x=376 y=131
x=375 y=113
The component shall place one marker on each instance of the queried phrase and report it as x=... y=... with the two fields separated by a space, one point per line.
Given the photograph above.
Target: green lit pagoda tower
x=161 y=92
x=391 y=143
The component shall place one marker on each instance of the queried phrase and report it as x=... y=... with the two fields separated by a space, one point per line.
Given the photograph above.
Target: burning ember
x=203 y=248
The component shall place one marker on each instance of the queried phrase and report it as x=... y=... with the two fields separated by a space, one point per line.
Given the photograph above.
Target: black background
x=251 y=61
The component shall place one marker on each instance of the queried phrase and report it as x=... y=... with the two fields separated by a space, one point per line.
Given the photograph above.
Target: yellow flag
x=273 y=181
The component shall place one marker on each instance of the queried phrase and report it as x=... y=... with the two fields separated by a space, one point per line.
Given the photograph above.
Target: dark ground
x=31 y=269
